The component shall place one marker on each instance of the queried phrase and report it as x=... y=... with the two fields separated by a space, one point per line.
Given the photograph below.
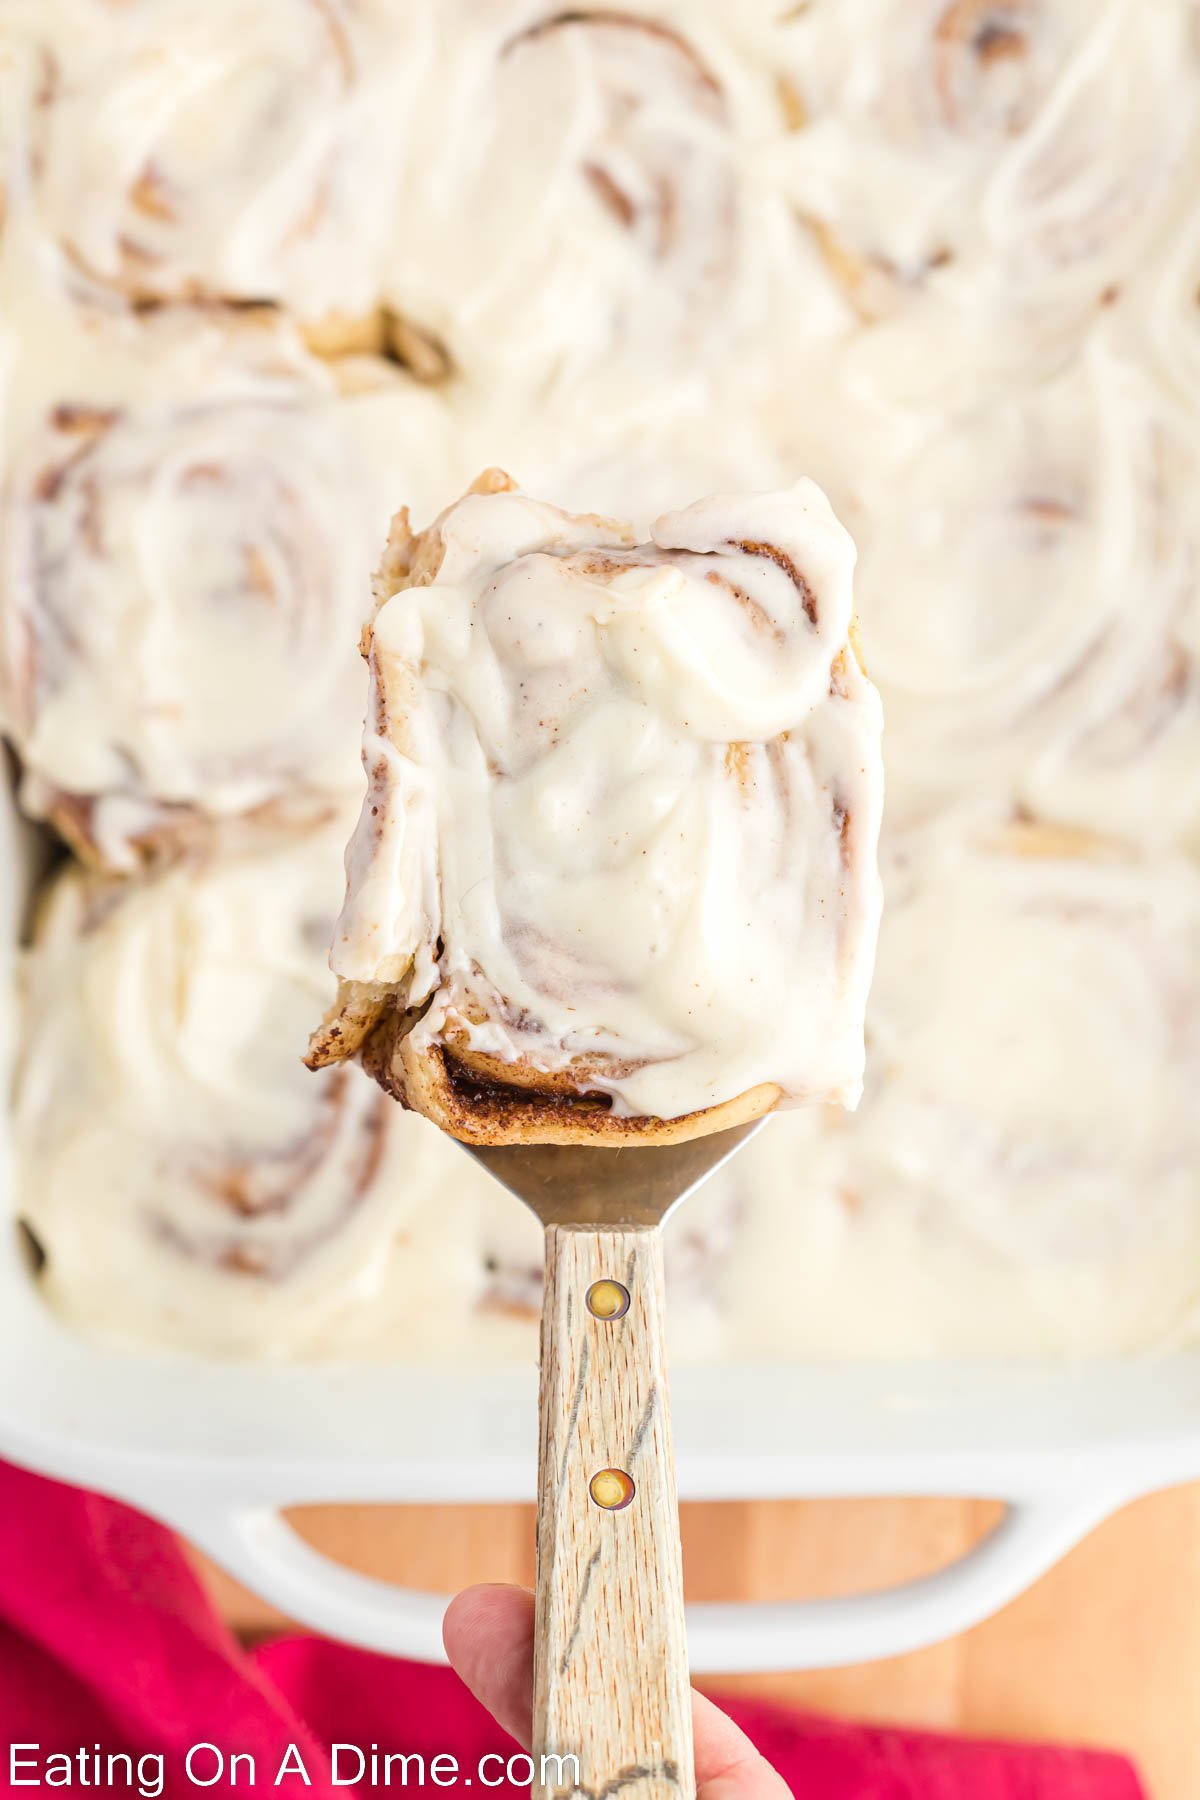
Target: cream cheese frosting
x=189 y=1183
x=624 y=800
x=161 y=1080
x=600 y=155
x=188 y=521
x=1022 y=1173
x=1028 y=585
x=977 y=1202
x=191 y=1187
x=1005 y=153
x=207 y=148
x=961 y=259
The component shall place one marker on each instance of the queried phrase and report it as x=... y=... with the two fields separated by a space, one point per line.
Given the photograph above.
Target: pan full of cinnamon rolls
x=267 y=274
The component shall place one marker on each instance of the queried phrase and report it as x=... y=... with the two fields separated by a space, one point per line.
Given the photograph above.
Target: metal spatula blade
x=574 y=1184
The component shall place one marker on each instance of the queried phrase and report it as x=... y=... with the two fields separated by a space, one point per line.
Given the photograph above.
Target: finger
x=488 y=1634
x=728 y=1767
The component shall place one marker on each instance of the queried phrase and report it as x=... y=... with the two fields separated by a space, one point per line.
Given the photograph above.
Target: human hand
x=488 y=1633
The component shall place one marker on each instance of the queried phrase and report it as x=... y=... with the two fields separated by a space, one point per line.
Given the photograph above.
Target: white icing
x=1028 y=590
x=630 y=796
x=978 y=1201
x=1021 y=1174
x=190 y=518
x=194 y=1188
x=209 y=147
x=599 y=157
x=988 y=303
x=192 y=1184
x=1010 y=154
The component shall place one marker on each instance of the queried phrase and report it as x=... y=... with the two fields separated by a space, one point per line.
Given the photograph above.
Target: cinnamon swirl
x=1034 y=1028
x=1035 y=1038
x=1018 y=153
x=1028 y=581
x=206 y=149
x=182 y=1180
x=580 y=201
x=186 y=530
x=1022 y=1177
x=189 y=1185
x=614 y=876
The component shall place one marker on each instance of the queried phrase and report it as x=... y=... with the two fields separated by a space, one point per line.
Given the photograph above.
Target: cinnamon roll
x=1035 y=1036
x=188 y=1184
x=1028 y=582
x=206 y=149
x=579 y=202
x=186 y=525
x=614 y=877
x=1017 y=154
x=1022 y=1177
x=181 y=1178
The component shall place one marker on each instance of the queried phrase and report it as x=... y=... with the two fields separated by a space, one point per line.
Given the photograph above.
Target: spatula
x=610 y=1658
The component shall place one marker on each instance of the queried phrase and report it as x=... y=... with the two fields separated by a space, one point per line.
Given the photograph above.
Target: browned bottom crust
x=466 y=1097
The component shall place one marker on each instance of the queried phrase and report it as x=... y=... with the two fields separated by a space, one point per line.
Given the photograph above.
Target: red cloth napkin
x=108 y=1643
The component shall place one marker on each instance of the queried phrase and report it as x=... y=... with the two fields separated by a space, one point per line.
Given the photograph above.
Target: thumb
x=728 y=1766
x=489 y=1639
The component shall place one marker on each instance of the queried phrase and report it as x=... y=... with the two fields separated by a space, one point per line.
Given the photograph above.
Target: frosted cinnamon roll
x=1022 y=1177
x=187 y=526
x=181 y=1174
x=1028 y=581
x=206 y=149
x=1034 y=1054
x=187 y=1185
x=1018 y=151
x=613 y=229
x=614 y=877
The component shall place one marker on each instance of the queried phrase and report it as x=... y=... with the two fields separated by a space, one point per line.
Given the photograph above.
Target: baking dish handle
x=261 y=1549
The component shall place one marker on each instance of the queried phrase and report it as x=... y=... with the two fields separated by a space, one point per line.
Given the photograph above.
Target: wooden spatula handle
x=610 y=1663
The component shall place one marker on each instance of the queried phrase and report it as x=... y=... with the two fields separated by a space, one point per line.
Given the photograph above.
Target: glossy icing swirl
x=594 y=151
x=1018 y=153
x=161 y=1078
x=1028 y=584
x=204 y=148
x=622 y=797
x=961 y=259
x=187 y=534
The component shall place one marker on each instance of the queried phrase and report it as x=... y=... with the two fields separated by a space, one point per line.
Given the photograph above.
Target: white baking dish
x=217 y=1450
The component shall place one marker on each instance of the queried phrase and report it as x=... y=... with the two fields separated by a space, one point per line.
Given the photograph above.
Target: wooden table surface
x=1104 y=1650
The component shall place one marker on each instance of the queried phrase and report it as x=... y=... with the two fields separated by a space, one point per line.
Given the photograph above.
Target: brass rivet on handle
x=611 y=1488
x=608 y=1300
